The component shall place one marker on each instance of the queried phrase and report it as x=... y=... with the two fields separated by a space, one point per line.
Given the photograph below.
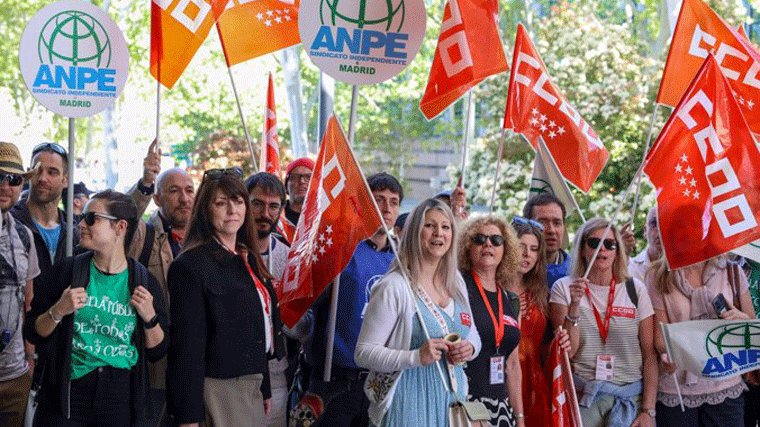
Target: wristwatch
x=151 y=323
x=146 y=191
x=650 y=412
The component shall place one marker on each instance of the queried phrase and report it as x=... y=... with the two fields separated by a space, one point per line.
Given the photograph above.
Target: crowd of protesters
x=175 y=320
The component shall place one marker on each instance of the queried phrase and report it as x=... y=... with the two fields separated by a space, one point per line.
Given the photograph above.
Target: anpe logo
x=362 y=41
x=73 y=58
x=731 y=348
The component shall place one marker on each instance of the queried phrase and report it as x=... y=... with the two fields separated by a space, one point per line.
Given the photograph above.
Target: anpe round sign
x=362 y=41
x=73 y=58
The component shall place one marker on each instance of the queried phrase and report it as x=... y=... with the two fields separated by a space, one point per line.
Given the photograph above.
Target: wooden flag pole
x=242 y=120
x=498 y=169
x=646 y=151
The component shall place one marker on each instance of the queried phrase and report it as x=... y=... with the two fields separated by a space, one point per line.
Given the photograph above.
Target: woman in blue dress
x=418 y=329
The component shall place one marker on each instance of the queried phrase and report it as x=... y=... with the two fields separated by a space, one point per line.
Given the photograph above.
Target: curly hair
x=534 y=281
x=509 y=261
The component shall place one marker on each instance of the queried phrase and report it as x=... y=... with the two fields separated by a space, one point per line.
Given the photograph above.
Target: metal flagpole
x=465 y=136
x=242 y=120
x=158 y=109
x=336 y=283
x=498 y=169
x=70 y=191
x=669 y=352
x=646 y=151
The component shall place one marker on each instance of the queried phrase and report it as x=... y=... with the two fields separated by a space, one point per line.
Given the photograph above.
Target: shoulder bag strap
x=631 y=288
x=150 y=234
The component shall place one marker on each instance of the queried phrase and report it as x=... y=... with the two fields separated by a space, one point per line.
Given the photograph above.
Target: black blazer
x=217 y=326
x=55 y=350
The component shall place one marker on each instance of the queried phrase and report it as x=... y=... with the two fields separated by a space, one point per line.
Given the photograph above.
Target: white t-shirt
x=623 y=336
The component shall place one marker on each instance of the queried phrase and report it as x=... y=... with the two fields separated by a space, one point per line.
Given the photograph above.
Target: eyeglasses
x=609 y=244
x=89 y=217
x=14 y=180
x=52 y=147
x=300 y=176
x=480 y=239
x=258 y=206
x=529 y=222
x=214 y=174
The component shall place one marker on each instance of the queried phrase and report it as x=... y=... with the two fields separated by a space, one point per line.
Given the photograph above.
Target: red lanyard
x=260 y=286
x=497 y=326
x=603 y=328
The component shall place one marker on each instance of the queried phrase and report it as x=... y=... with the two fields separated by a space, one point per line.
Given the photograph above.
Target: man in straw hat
x=18 y=267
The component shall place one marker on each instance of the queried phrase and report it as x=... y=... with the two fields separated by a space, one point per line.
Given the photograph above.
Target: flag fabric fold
x=564 y=401
x=469 y=50
x=338 y=213
x=547 y=178
x=536 y=107
x=705 y=166
x=270 y=153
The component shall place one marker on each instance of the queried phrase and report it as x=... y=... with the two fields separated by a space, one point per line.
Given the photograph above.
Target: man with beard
x=297 y=177
x=18 y=266
x=156 y=243
x=267 y=196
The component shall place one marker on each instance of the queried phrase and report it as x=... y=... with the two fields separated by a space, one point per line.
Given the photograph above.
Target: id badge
x=497 y=370
x=605 y=367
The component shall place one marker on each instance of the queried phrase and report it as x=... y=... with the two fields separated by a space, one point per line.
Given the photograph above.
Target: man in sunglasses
x=18 y=267
x=297 y=177
x=549 y=211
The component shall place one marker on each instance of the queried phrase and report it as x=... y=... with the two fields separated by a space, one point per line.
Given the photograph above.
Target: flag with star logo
x=536 y=107
x=705 y=167
x=270 y=153
x=177 y=29
x=469 y=50
x=252 y=28
x=698 y=32
x=338 y=213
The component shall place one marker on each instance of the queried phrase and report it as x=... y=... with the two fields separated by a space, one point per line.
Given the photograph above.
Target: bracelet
x=520 y=415
x=150 y=324
x=50 y=313
x=573 y=320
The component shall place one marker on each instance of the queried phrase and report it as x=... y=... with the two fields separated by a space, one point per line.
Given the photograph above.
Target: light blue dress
x=420 y=398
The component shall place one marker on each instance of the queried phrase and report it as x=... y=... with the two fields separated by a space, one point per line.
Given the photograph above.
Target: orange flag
x=252 y=28
x=469 y=50
x=177 y=30
x=705 y=167
x=536 y=108
x=698 y=32
x=338 y=213
x=270 y=161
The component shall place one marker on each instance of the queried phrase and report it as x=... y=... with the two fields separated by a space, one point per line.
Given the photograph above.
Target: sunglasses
x=528 y=222
x=480 y=239
x=89 y=217
x=609 y=244
x=52 y=147
x=14 y=180
x=214 y=174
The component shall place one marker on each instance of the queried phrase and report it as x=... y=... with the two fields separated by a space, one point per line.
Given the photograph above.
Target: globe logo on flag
x=386 y=14
x=732 y=337
x=74 y=37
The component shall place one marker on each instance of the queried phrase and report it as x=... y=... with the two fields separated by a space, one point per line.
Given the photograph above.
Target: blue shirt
x=555 y=272
x=365 y=268
x=50 y=236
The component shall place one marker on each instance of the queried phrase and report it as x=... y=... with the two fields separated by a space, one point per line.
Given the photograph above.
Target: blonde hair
x=579 y=264
x=509 y=260
x=410 y=249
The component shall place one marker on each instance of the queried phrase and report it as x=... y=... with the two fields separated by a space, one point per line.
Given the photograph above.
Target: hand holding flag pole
x=675 y=377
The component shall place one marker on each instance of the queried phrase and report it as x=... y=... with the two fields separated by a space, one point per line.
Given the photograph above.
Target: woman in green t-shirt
x=101 y=315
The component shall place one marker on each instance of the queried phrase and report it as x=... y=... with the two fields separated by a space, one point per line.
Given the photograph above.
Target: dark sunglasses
x=89 y=217
x=528 y=222
x=52 y=147
x=14 y=180
x=480 y=239
x=214 y=174
x=609 y=244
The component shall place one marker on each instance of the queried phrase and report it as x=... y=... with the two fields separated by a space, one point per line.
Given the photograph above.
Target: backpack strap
x=80 y=270
x=631 y=288
x=150 y=234
x=733 y=280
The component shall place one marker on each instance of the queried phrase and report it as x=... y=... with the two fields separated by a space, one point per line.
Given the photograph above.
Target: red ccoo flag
x=469 y=50
x=705 y=167
x=270 y=153
x=338 y=213
x=565 y=412
x=535 y=107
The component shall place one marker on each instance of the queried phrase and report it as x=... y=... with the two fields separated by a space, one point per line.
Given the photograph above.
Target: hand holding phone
x=720 y=304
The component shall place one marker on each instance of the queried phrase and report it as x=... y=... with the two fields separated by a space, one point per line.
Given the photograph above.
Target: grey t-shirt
x=13 y=364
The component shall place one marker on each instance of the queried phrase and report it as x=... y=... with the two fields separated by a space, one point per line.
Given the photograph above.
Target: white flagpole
x=646 y=150
x=465 y=137
x=498 y=169
x=70 y=191
x=336 y=283
x=242 y=120
x=158 y=110
x=675 y=378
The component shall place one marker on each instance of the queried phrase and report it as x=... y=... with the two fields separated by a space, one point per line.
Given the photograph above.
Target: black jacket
x=21 y=213
x=56 y=356
x=217 y=326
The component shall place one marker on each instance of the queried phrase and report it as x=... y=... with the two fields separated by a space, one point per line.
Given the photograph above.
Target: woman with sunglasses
x=529 y=284
x=97 y=318
x=487 y=259
x=224 y=313
x=610 y=320
x=416 y=373
x=688 y=294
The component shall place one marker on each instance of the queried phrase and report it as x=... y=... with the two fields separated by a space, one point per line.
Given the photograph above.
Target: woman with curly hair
x=487 y=259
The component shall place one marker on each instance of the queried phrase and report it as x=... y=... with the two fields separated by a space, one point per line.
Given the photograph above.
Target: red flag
x=338 y=213
x=698 y=32
x=565 y=411
x=536 y=107
x=177 y=30
x=469 y=50
x=706 y=169
x=270 y=153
